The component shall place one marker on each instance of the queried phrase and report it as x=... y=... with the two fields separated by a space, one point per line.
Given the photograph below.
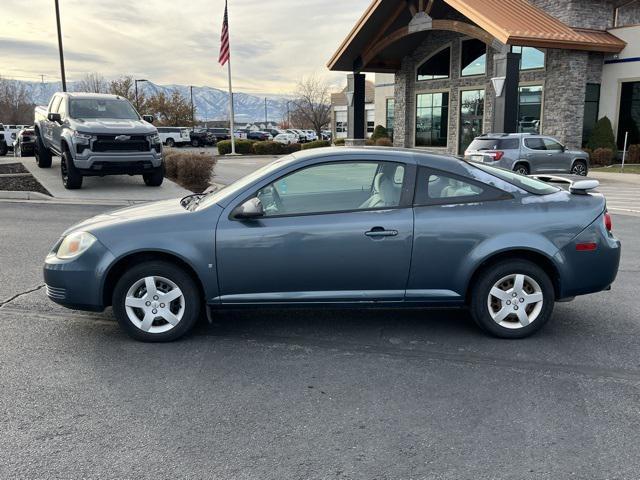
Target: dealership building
x=449 y=70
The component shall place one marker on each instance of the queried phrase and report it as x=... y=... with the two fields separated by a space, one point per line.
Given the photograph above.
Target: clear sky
x=273 y=42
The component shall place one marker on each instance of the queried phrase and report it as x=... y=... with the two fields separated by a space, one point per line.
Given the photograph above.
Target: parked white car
x=172 y=136
x=286 y=138
x=312 y=136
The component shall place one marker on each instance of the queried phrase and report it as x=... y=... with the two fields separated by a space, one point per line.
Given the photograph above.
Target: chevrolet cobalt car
x=336 y=226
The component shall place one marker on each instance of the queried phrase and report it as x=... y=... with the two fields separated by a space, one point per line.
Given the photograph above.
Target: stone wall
x=629 y=14
x=598 y=14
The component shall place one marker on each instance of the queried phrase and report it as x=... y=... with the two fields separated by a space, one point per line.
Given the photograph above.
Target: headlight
x=154 y=139
x=74 y=245
x=82 y=138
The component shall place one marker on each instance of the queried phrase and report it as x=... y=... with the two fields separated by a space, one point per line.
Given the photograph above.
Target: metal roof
x=385 y=24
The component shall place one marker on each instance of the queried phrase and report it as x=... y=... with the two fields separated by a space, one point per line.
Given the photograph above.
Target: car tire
x=170 y=142
x=195 y=143
x=579 y=167
x=71 y=177
x=155 y=178
x=521 y=168
x=522 y=308
x=3 y=150
x=134 y=308
x=42 y=153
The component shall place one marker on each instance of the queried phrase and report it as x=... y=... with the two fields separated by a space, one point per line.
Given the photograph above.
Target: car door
x=535 y=152
x=50 y=126
x=557 y=159
x=56 y=135
x=331 y=232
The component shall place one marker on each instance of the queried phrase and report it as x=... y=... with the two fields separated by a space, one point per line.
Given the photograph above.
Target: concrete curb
x=37 y=197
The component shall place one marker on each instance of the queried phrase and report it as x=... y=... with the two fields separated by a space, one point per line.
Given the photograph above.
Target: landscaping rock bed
x=14 y=177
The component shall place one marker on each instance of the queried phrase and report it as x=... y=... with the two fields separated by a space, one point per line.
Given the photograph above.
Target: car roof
x=93 y=95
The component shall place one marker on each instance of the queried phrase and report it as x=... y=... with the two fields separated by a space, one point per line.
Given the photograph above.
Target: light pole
x=62 y=74
x=193 y=120
x=136 y=83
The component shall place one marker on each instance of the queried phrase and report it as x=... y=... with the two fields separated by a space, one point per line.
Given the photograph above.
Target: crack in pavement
x=21 y=294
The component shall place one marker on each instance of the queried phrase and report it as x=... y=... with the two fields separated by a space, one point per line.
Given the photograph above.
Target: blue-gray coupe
x=342 y=226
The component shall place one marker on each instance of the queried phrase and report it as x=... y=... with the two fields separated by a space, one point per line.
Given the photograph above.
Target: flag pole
x=231 y=115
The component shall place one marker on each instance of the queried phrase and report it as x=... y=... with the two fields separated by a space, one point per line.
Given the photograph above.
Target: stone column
x=356 y=126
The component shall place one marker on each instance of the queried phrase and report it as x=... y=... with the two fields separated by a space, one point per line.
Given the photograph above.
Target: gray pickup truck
x=96 y=135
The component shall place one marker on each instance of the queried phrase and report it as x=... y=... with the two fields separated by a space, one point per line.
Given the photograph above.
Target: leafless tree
x=125 y=86
x=312 y=104
x=173 y=110
x=16 y=105
x=92 y=83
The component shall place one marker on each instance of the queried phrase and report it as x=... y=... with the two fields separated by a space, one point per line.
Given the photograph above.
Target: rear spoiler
x=576 y=185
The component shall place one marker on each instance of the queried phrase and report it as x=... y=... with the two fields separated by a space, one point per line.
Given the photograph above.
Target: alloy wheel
x=155 y=304
x=579 y=169
x=515 y=301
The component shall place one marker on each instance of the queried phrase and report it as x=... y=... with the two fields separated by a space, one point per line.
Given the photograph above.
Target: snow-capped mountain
x=210 y=103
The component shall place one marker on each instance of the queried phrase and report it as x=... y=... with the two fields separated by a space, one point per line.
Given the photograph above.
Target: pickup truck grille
x=108 y=143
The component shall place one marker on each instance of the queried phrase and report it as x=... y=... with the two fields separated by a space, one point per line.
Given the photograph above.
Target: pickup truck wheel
x=155 y=178
x=3 y=150
x=170 y=142
x=156 y=301
x=43 y=155
x=195 y=143
x=512 y=299
x=71 y=178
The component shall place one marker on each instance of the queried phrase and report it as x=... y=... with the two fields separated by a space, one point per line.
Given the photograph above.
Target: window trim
x=427 y=58
x=406 y=196
x=489 y=194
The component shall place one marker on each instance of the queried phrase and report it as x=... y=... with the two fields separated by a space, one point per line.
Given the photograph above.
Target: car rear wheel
x=512 y=299
x=71 y=177
x=156 y=302
x=3 y=149
x=579 y=168
x=521 y=168
x=195 y=143
x=170 y=142
x=43 y=155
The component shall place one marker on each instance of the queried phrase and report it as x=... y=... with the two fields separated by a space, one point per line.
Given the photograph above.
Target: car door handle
x=549 y=154
x=381 y=232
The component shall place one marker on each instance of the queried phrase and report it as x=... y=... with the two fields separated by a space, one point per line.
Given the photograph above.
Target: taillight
x=608 y=223
x=496 y=154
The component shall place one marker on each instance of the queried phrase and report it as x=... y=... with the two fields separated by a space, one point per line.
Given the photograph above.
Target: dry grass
x=192 y=171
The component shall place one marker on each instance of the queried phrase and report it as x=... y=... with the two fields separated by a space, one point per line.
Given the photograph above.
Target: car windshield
x=528 y=184
x=102 y=108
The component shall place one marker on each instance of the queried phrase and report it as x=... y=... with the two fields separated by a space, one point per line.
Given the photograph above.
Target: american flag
x=224 y=38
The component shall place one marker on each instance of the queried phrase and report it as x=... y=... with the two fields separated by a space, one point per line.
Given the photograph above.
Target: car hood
x=106 y=126
x=163 y=209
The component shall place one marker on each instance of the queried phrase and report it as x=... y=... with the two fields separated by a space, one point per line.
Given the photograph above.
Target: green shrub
x=602 y=157
x=379 y=132
x=316 y=144
x=339 y=141
x=293 y=147
x=384 y=142
x=244 y=147
x=190 y=170
x=602 y=136
x=369 y=142
x=269 y=148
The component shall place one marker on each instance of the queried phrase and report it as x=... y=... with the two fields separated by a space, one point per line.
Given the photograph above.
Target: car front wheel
x=71 y=177
x=579 y=168
x=521 y=168
x=155 y=178
x=156 y=302
x=512 y=299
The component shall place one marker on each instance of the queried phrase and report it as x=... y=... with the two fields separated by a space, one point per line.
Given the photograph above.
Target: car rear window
x=494 y=144
x=528 y=184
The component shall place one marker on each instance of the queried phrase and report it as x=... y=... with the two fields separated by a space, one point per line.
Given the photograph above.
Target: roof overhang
x=390 y=28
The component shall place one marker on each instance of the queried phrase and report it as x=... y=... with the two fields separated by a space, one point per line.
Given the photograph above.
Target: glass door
x=471 y=117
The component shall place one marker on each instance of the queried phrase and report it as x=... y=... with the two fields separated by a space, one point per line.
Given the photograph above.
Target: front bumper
x=78 y=283
x=91 y=163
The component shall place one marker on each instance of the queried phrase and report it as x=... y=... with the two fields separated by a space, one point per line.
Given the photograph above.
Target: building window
x=471 y=116
x=591 y=110
x=473 y=58
x=390 y=116
x=341 y=124
x=531 y=58
x=437 y=66
x=529 y=108
x=371 y=121
x=629 y=120
x=432 y=118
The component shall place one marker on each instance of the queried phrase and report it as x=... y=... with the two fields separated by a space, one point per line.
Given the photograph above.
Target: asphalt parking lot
x=276 y=394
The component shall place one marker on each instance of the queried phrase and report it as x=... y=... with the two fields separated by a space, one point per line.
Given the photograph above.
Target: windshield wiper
x=189 y=199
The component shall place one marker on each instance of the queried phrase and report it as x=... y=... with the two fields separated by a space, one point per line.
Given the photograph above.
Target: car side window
x=441 y=188
x=551 y=144
x=535 y=143
x=335 y=187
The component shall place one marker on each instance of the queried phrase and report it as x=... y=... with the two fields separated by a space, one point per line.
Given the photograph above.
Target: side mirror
x=252 y=208
x=563 y=148
x=148 y=118
x=54 y=117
